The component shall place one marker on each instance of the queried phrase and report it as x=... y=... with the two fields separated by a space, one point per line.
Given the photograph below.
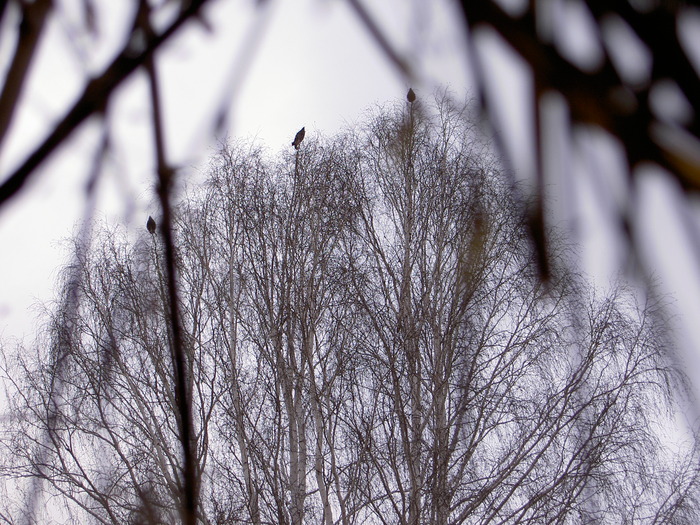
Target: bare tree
x=291 y=224
x=113 y=445
x=487 y=396
x=366 y=339
x=415 y=370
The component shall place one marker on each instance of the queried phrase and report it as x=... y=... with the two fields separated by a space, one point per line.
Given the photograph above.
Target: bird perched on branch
x=151 y=225
x=411 y=95
x=298 y=138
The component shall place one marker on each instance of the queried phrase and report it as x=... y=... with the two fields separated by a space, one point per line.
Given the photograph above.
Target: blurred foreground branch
x=95 y=96
x=604 y=95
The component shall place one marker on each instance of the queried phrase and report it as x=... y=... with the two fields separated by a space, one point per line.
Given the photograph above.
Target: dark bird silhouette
x=411 y=95
x=151 y=225
x=298 y=138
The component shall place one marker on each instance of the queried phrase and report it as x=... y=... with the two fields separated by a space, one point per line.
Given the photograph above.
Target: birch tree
x=367 y=340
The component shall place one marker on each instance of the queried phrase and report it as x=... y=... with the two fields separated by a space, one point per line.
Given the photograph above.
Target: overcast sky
x=305 y=63
x=286 y=65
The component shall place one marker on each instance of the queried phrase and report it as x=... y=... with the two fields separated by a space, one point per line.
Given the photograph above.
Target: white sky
x=305 y=63
x=290 y=64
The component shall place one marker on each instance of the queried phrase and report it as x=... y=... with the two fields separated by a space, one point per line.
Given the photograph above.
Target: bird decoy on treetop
x=411 y=95
x=298 y=138
x=151 y=225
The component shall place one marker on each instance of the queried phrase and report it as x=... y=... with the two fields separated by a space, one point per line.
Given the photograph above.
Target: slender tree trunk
x=309 y=342
x=241 y=439
x=410 y=340
x=440 y=497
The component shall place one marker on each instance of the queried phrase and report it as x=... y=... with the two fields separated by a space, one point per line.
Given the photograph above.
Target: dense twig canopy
x=366 y=339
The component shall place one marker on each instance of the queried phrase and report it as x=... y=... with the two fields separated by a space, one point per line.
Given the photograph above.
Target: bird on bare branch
x=151 y=225
x=411 y=95
x=298 y=138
